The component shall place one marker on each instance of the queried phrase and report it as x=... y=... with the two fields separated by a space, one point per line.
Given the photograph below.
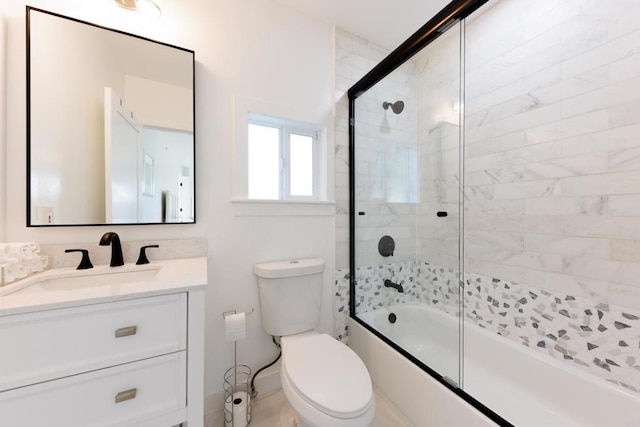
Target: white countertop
x=178 y=275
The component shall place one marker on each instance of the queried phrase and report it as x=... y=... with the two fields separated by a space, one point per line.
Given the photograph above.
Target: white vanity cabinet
x=133 y=361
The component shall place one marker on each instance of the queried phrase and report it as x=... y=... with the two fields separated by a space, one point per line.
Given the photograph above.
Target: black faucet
x=389 y=284
x=85 y=263
x=142 y=258
x=111 y=238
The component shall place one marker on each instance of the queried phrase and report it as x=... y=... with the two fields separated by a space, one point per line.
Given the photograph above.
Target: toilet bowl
x=325 y=382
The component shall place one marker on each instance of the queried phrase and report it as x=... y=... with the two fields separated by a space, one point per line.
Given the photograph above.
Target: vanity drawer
x=51 y=344
x=120 y=396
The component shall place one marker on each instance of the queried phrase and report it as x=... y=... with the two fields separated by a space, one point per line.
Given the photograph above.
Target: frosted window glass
x=301 y=165
x=264 y=162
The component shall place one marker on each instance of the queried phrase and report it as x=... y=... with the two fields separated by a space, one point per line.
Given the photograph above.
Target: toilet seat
x=328 y=375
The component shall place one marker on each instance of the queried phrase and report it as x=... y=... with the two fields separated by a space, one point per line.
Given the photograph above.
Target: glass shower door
x=406 y=221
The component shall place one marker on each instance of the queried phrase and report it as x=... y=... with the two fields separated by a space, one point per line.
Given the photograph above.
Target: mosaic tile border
x=341 y=306
x=594 y=336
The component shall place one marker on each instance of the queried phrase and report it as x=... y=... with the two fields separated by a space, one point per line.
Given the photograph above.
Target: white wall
x=159 y=104
x=170 y=152
x=254 y=49
x=3 y=86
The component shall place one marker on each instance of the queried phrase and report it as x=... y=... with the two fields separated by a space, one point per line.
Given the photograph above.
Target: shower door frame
x=454 y=12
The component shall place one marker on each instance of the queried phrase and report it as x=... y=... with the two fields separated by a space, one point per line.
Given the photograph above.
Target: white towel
x=38 y=263
x=18 y=251
x=20 y=259
x=5 y=258
x=14 y=272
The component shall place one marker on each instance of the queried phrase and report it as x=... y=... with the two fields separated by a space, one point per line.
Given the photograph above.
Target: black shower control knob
x=386 y=246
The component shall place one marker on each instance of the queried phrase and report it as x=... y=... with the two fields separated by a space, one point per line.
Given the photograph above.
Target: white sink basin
x=66 y=279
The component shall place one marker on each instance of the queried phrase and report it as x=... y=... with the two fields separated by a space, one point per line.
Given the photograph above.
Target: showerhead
x=396 y=107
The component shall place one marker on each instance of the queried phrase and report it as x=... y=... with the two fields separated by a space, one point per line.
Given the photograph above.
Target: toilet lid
x=328 y=375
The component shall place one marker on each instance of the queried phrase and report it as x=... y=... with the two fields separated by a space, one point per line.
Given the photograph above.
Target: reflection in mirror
x=110 y=126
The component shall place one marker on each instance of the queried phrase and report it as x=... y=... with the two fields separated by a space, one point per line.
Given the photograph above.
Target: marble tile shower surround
x=598 y=337
x=551 y=172
x=388 y=139
x=386 y=152
x=354 y=57
x=552 y=110
x=437 y=237
x=552 y=158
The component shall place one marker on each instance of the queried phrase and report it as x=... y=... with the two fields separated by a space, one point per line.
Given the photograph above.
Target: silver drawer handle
x=126 y=395
x=125 y=332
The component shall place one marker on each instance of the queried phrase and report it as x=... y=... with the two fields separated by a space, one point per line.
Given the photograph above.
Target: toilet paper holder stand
x=237 y=388
x=237 y=396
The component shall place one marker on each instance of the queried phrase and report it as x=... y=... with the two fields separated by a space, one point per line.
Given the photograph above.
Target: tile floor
x=266 y=412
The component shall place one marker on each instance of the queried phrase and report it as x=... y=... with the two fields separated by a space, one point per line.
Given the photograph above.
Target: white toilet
x=324 y=381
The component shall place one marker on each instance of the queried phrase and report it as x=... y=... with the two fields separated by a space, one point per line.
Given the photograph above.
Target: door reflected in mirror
x=110 y=126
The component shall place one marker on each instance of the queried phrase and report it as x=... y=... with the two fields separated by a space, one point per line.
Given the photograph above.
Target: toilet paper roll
x=235 y=327
x=239 y=407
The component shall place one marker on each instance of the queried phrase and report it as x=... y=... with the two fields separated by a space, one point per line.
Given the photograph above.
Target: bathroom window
x=283 y=159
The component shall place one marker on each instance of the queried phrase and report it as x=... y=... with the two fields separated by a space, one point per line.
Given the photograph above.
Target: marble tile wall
x=438 y=236
x=438 y=97
x=354 y=57
x=387 y=156
x=552 y=160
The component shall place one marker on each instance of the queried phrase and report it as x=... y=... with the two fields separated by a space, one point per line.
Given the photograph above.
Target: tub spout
x=389 y=284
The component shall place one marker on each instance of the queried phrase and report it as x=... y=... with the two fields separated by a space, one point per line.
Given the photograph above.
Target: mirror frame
x=29 y=9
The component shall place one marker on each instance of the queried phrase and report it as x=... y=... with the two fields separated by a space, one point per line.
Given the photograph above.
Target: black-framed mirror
x=110 y=126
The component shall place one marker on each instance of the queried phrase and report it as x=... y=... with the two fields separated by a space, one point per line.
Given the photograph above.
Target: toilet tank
x=290 y=295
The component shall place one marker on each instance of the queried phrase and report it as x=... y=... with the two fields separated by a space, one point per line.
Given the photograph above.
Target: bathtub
x=526 y=388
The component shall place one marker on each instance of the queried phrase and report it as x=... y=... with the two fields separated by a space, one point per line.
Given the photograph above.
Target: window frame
x=286 y=128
